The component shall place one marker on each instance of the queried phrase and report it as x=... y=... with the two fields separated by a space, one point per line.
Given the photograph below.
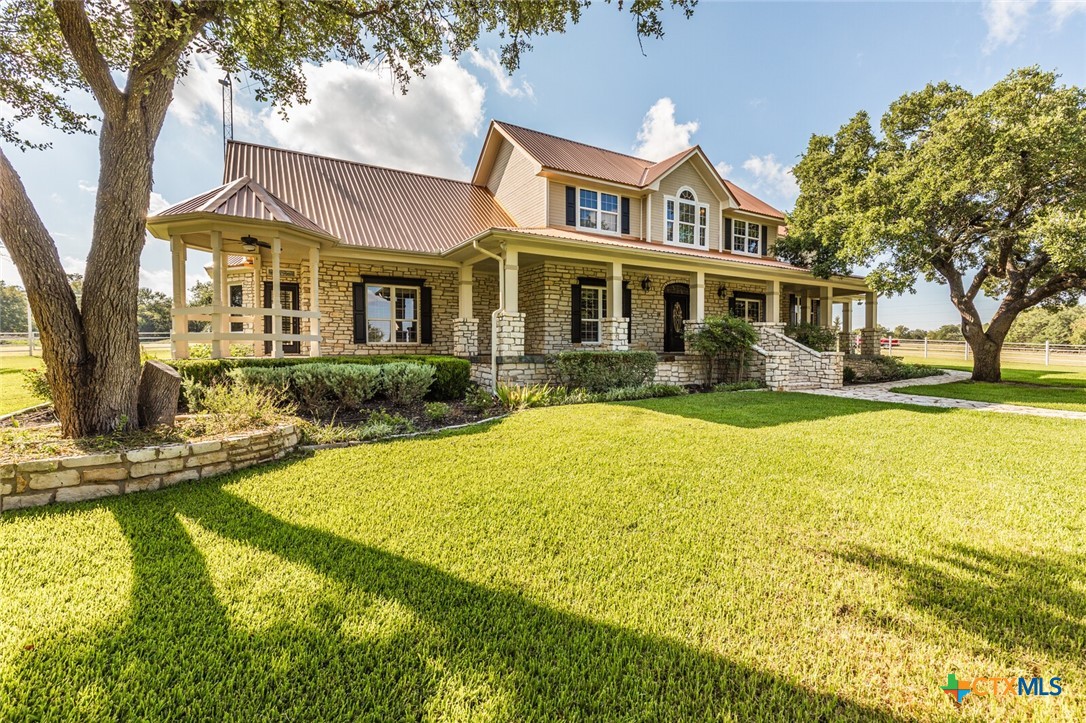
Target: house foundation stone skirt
x=466 y=337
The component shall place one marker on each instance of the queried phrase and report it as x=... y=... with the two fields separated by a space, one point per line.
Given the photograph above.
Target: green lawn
x=13 y=395
x=729 y=557
x=1026 y=384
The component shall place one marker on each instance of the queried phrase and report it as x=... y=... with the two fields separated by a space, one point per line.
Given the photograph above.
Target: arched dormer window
x=686 y=222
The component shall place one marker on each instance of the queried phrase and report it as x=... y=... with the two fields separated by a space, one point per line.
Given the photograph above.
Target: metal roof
x=244 y=198
x=566 y=156
x=370 y=206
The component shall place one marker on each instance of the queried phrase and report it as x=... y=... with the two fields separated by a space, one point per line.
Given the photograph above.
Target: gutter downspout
x=494 y=314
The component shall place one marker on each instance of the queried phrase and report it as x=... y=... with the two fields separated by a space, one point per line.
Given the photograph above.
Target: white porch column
x=277 y=319
x=315 y=300
x=466 y=326
x=871 y=310
x=825 y=307
x=180 y=324
x=846 y=316
x=257 y=301
x=772 y=302
x=512 y=278
x=697 y=296
x=219 y=347
x=616 y=333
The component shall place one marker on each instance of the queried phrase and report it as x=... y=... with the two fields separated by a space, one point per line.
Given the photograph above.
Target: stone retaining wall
x=74 y=479
x=806 y=368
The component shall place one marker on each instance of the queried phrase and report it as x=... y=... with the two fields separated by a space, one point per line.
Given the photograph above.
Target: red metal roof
x=370 y=206
x=580 y=159
x=244 y=198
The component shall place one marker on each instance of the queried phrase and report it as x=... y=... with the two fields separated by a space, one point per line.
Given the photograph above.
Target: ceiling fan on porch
x=250 y=243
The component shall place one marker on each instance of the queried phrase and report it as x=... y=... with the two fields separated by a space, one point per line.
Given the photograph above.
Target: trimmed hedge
x=452 y=376
x=600 y=371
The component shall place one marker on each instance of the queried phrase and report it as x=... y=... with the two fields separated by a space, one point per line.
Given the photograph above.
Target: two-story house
x=552 y=245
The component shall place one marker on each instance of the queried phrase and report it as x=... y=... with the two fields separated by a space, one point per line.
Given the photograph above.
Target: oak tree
x=128 y=56
x=984 y=193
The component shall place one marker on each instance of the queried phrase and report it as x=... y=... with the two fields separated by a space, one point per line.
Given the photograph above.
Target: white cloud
x=197 y=98
x=723 y=169
x=772 y=177
x=660 y=136
x=358 y=114
x=506 y=85
x=88 y=187
x=156 y=203
x=1063 y=9
x=1006 y=19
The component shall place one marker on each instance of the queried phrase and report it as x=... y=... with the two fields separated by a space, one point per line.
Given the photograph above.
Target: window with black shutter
x=392 y=310
x=571 y=206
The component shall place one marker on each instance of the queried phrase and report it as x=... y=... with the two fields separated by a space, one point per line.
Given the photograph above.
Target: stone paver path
x=881 y=392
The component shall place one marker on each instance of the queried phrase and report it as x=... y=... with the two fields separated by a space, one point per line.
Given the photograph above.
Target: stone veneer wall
x=75 y=479
x=807 y=369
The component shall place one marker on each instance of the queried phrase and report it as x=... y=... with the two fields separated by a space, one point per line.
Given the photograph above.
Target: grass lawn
x=1027 y=384
x=13 y=395
x=728 y=556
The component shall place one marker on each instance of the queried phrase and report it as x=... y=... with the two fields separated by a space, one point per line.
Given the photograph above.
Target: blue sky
x=750 y=82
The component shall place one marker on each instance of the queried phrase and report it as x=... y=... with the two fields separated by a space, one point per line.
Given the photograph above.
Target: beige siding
x=518 y=189
x=770 y=226
x=558 y=205
x=686 y=175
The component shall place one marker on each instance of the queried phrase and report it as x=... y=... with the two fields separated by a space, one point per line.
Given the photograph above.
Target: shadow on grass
x=178 y=655
x=1013 y=601
x=768 y=409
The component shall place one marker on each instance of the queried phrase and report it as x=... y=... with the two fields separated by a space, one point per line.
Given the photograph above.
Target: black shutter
x=575 y=316
x=765 y=242
x=727 y=234
x=792 y=314
x=359 y=313
x=627 y=311
x=571 y=206
x=426 y=315
x=625 y=215
x=763 y=305
x=731 y=306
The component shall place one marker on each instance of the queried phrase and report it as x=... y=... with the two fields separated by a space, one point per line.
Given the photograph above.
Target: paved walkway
x=881 y=392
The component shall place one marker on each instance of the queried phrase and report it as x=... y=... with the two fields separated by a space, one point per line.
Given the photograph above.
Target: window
x=747 y=238
x=749 y=309
x=686 y=221
x=392 y=314
x=597 y=211
x=593 y=303
x=236 y=299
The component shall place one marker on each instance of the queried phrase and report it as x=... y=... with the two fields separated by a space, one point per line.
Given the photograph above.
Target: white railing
x=1046 y=354
x=221 y=317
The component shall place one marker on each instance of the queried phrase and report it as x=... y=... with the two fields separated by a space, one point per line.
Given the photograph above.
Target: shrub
x=34 y=381
x=354 y=384
x=812 y=336
x=233 y=407
x=436 y=412
x=598 y=371
x=406 y=383
x=722 y=339
x=848 y=375
x=646 y=391
x=523 y=396
x=478 y=399
x=452 y=376
x=886 y=369
x=378 y=426
x=274 y=378
x=312 y=388
x=740 y=386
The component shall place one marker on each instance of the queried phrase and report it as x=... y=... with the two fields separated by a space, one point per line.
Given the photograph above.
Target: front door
x=676 y=311
x=288 y=299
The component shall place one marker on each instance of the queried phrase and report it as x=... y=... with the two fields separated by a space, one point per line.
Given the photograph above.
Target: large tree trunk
x=987 y=344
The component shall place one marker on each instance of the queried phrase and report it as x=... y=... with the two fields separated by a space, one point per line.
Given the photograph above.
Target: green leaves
x=992 y=184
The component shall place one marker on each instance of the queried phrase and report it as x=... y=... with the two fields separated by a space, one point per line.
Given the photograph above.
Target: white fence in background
x=1045 y=354
x=17 y=344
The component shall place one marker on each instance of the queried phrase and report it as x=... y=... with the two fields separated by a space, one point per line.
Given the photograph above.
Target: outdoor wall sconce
x=721 y=291
x=646 y=283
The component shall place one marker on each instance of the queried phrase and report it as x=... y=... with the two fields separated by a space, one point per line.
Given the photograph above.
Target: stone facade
x=466 y=337
x=75 y=479
x=807 y=369
x=869 y=342
x=510 y=334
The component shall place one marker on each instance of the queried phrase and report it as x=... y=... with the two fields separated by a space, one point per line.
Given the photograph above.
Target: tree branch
x=78 y=34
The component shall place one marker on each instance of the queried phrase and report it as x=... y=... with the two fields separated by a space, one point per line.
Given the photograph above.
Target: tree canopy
x=128 y=55
x=984 y=193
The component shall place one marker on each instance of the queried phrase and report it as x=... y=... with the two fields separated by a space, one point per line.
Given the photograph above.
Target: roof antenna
x=227 y=111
